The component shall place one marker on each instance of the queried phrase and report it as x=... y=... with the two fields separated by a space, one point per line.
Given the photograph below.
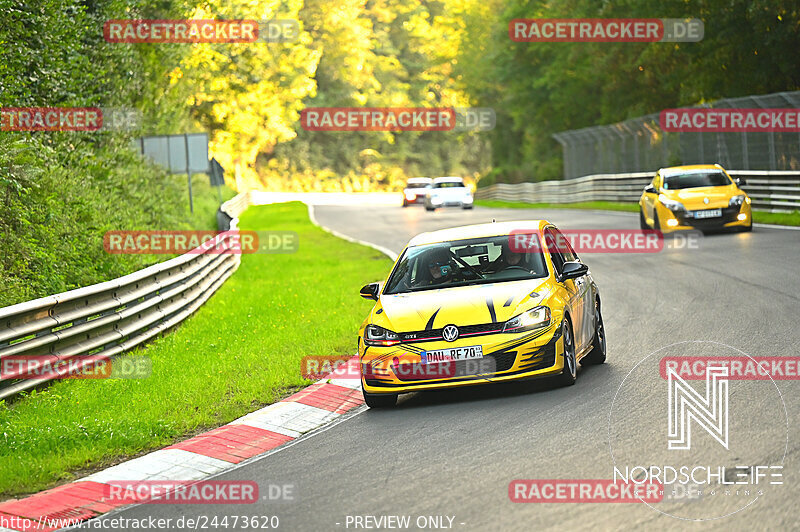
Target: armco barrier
x=777 y=191
x=109 y=318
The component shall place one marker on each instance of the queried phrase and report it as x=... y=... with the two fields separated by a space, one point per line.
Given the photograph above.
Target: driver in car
x=439 y=267
x=506 y=259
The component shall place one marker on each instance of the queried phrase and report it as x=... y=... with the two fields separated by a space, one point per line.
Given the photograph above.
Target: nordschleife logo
x=719 y=446
x=708 y=410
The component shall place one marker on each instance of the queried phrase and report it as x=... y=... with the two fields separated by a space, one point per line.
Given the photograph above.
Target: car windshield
x=449 y=184
x=462 y=263
x=696 y=179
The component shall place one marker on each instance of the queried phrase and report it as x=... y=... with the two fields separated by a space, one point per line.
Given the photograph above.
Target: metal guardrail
x=94 y=323
x=774 y=191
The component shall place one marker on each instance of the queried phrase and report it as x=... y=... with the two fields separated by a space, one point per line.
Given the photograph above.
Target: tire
x=405 y=204
x=656 y=222
x=642 y=221
x=429 y=209
x=380 y=400
x=466 y=208
x=570 y=372
x=598 y=353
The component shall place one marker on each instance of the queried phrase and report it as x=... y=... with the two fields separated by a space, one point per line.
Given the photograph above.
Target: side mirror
x=650 y=189
x=370 y=291
x=573 y=270
x=740 y=181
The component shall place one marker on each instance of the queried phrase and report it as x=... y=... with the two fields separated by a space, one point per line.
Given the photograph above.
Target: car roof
x=688 y=168
x=477 y=231
x=448 y=180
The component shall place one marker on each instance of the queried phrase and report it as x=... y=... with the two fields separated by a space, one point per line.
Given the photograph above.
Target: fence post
x=745 y=153
x=564 y=155
x=773 y=162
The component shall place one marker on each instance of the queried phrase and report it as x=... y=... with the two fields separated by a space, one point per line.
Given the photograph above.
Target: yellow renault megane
x=701 y=196
x=479 y=304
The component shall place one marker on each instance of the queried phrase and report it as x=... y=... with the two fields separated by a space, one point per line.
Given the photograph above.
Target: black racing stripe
x=490 y=306
x=511 y=344
x=507 y=303
x=413 y=348
x=429 y=325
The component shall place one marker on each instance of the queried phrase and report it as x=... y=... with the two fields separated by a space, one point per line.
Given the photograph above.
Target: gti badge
x=450 y=333
x=705 y=200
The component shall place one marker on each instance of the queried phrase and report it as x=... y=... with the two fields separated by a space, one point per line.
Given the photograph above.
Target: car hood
x=694 y=198
x=464 y=305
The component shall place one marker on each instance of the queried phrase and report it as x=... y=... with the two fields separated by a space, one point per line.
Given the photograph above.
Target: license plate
x=710 y=213
x=453 y=354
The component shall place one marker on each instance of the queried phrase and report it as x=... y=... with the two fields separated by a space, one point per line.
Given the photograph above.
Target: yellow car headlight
x=535 y=318
x=674 y=206
x=374 y=335
x=736 y=201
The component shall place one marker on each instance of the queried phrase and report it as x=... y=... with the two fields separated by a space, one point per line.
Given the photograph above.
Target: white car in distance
x=415 y=190
x=448 y=191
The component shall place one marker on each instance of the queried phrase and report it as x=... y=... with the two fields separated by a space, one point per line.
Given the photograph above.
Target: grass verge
x=777 y=218
x=241 y=350
x=759 y=217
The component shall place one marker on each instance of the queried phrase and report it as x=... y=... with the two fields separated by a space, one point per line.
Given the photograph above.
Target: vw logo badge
x=450 y=333
x=705 y=200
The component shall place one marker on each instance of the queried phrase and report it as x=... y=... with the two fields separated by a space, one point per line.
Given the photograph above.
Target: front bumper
x=731 y=217
x=525 y=355
x=450 y=203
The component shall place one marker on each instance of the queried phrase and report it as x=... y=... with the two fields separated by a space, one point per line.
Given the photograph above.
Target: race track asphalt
x=454 y=453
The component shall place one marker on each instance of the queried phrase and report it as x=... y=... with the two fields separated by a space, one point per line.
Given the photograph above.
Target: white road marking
x=287 y=417
x=164 y=464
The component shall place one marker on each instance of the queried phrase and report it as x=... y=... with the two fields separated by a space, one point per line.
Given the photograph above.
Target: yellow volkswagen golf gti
x=701 y=196
x=476 y=304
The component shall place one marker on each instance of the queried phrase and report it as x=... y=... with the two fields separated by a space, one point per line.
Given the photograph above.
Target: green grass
x=777 y=218
x=240 y=351
x=59 y=201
